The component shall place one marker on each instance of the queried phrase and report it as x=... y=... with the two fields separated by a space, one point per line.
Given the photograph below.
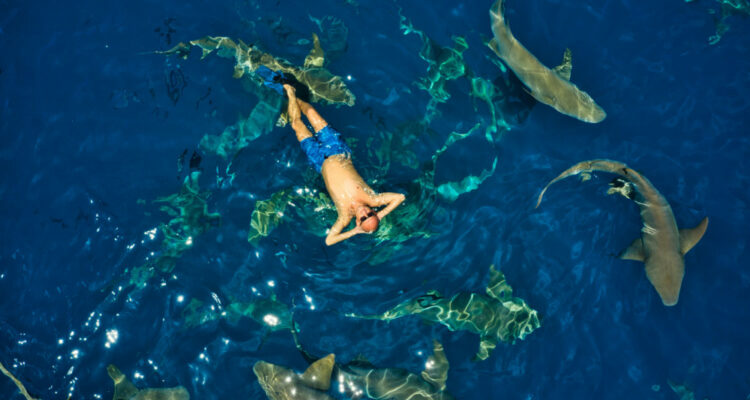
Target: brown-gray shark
x=125 y=390
x=548 y=86
x=360 y=378
x=281 y=383
x=662 y=246
x=496 y=316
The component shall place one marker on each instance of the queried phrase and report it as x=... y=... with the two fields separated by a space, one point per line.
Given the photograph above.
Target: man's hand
x=392 y=200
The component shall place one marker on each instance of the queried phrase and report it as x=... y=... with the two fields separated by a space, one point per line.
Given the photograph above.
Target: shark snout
x=263 y=370
x=597 y=115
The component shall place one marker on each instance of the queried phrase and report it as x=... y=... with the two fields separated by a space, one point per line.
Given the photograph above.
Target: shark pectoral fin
x=124 y=389
x=492 y=44
x=691 y=237
x=634 y=251
x=238 y=72
x=486 y=345
x=436 y=367
x=563 y=70
x=316 y=57
x=318 y=374
x=498 y=288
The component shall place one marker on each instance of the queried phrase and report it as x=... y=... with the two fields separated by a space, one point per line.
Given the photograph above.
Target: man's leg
x=315 y=119
x=300 y=129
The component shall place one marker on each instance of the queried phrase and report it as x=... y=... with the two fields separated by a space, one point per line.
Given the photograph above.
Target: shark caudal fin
x=124 y=389
x=691 y=237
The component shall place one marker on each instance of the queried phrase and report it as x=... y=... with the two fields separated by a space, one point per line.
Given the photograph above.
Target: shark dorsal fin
x=634 y=251
x=316 y=57
x=124 y=389
x=498 y=288
x=436 y=367
x=318 y=374
x=563 y=70
x=690 y=237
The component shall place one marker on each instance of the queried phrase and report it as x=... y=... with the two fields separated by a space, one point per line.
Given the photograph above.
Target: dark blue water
x=92 y=130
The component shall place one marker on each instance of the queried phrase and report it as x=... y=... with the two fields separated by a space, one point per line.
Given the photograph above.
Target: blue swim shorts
x=327 y=142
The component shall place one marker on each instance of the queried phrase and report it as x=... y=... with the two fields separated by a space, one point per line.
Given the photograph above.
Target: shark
x=125 y=390
x=360 y=378
x=323 y=86
x=281 y=383
x=355 y=379
x=549 y=86
x=494 y=316
x=662 y=245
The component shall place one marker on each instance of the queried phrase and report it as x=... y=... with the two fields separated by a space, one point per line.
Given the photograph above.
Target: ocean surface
x=125 y=233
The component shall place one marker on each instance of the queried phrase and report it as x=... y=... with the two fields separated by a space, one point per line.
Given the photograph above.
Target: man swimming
x=330 y=156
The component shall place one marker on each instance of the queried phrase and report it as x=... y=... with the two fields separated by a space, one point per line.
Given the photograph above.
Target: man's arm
x=335 y=235
x=392 y=200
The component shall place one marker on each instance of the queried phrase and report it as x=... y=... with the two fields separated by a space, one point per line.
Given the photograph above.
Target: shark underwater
x=125 y=390
x=280 y=383
x=496 y=316
x=662 y=245
x=355 y=379
x=548 y=86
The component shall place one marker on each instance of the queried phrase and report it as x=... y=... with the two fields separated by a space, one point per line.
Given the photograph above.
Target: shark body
x=125 y=390
x=494 y=316
x=355 y=379
x=548 y=86
x=281 y=383
x=662 y=245
x=360 y=378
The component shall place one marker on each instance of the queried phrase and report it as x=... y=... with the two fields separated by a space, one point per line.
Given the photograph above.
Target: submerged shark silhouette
x=125 y=390
x=355 y=379
x=551 y=87
x=662 y=246
x=281 y=383
x=496 y=316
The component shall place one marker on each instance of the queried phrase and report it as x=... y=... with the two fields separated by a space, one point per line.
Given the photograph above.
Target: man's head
x=367 y=219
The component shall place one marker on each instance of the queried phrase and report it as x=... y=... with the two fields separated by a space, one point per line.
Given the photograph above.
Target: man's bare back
x=350 y=193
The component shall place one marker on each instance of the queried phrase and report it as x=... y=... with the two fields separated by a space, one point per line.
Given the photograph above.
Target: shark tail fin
x=124 y=389
x=362 y=316
x=318 y=374
x=690 y=237
x=307 y=356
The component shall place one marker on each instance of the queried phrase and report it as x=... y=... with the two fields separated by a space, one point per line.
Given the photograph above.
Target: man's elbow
x=330 y=241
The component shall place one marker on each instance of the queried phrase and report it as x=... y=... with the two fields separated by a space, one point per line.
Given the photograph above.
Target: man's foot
x=293 y=107
x=290 y=91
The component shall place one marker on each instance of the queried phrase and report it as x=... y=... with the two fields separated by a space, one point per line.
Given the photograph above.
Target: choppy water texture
x=130 y=180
